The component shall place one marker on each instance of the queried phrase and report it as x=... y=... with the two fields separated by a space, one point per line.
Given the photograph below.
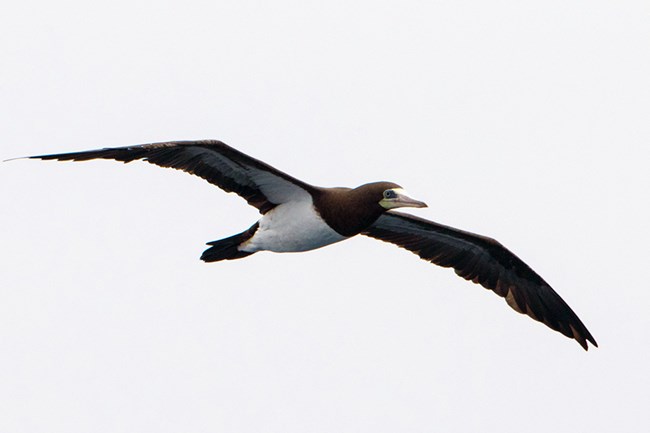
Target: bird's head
x=391 y=196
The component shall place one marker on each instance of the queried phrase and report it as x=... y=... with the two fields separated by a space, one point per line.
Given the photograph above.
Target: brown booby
x=297 y=216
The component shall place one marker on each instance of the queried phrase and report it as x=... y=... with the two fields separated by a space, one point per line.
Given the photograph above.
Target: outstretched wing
x=486 y=262
x=231 y=170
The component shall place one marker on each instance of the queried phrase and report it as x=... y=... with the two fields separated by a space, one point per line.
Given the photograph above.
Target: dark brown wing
x=484 y=261
x=231 y=170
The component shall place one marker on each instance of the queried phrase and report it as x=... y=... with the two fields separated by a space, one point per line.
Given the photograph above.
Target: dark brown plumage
x=351 y=210
x=211 y=160
x=333 y=214
x=484 y=261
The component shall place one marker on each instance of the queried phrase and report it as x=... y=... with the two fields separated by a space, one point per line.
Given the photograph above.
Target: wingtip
x=18 y=157
x=583 y=338
x=28 y=157
x=592 y=341
x=584 y=341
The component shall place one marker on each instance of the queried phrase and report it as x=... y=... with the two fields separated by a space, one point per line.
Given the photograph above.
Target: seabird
x=297 y=216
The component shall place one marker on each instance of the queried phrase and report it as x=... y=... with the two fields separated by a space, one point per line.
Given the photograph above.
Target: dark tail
x=227 y=249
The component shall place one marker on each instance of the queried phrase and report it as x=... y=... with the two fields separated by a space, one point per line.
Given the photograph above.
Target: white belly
x=291 y=227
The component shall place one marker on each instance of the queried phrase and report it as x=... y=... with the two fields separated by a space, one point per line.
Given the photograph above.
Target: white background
x=525 y=121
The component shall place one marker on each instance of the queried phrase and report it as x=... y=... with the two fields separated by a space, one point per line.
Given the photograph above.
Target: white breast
x=291 y=227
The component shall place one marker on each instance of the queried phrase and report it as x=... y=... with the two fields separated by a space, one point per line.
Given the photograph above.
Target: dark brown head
x=389 y=195
x=350 y=211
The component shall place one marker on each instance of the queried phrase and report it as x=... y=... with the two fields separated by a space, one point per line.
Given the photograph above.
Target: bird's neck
x=346 y=210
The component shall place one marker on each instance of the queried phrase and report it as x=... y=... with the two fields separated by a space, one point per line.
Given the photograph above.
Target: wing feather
x=258 y=183
x=484 y=261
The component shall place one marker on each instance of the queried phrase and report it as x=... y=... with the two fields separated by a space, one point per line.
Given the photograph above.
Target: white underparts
x=291 y=227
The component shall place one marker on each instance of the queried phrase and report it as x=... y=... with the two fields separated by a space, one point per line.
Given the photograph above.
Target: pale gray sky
x=524 y=121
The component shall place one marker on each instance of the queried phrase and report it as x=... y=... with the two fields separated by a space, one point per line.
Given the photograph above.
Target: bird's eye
x=389 y=193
